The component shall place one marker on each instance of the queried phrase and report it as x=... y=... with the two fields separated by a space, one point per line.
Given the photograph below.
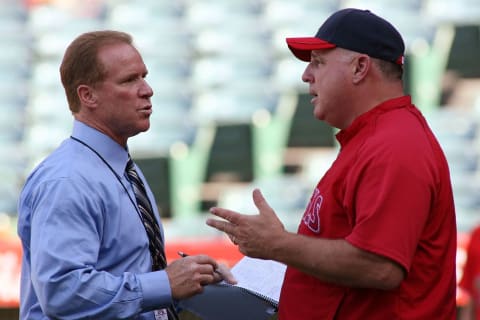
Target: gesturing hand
x=255 y=235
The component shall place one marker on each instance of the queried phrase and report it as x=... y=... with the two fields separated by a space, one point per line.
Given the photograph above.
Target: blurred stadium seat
x=14 y=75
x=221 y=70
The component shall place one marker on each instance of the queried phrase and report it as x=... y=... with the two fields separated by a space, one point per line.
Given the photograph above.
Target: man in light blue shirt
x=85 y=250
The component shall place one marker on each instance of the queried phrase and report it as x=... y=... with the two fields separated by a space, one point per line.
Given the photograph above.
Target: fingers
x=188 y=275
x=234 y=218
x=205 y=260
x=225 y=226
x=225 y=274
x=228 y=215
x=262 y=205
x=260 y=202
x=234 y=221
x=218 y=271
x=207 y=268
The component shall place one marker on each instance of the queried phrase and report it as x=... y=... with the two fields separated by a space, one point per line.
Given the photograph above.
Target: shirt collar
x=345 y=135
x=115 y=154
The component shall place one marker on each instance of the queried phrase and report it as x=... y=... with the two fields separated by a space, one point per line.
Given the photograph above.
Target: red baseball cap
x=356 y=30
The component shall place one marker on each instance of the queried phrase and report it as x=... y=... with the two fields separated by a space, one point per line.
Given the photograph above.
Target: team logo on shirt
x=311 y=218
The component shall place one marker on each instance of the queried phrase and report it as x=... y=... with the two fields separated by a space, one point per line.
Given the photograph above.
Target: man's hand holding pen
x=188 y=275
x=221 y=271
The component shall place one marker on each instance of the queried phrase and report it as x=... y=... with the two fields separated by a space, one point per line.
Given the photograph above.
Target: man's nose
x=307 y=76
x=146 y=89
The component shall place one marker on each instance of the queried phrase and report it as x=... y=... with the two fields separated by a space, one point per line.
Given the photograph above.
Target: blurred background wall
x=230 y=110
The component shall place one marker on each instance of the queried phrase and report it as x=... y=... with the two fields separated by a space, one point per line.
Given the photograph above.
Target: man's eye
x=131 y=79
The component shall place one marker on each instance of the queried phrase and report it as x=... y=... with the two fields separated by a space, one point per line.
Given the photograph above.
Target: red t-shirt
x=471 y=272
x=388 y=192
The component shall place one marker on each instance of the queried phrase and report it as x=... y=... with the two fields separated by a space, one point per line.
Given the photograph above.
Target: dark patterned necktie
x=152 y=228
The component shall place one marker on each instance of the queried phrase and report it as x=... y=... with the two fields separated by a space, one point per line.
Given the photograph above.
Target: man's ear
x=87 y=96
x=360 y=67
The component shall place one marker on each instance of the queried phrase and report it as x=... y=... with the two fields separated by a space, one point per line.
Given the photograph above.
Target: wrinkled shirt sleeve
x=67 y=222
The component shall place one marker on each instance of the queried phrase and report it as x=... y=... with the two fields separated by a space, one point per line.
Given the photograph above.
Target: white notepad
x=264 y=277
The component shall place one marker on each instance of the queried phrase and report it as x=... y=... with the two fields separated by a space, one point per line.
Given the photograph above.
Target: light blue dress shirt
x=85 y=249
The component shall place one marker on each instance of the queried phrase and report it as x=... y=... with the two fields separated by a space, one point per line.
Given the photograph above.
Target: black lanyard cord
x=114 y=173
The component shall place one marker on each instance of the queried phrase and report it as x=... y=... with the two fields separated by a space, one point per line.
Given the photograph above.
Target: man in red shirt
x=378 y=238
x=470 y=281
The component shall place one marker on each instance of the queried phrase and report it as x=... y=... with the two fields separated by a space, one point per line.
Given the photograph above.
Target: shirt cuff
x=156 y=289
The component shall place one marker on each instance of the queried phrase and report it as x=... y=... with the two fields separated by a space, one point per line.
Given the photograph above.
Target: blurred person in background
x=470 y=281
x=378 y=237
x=92 y=246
